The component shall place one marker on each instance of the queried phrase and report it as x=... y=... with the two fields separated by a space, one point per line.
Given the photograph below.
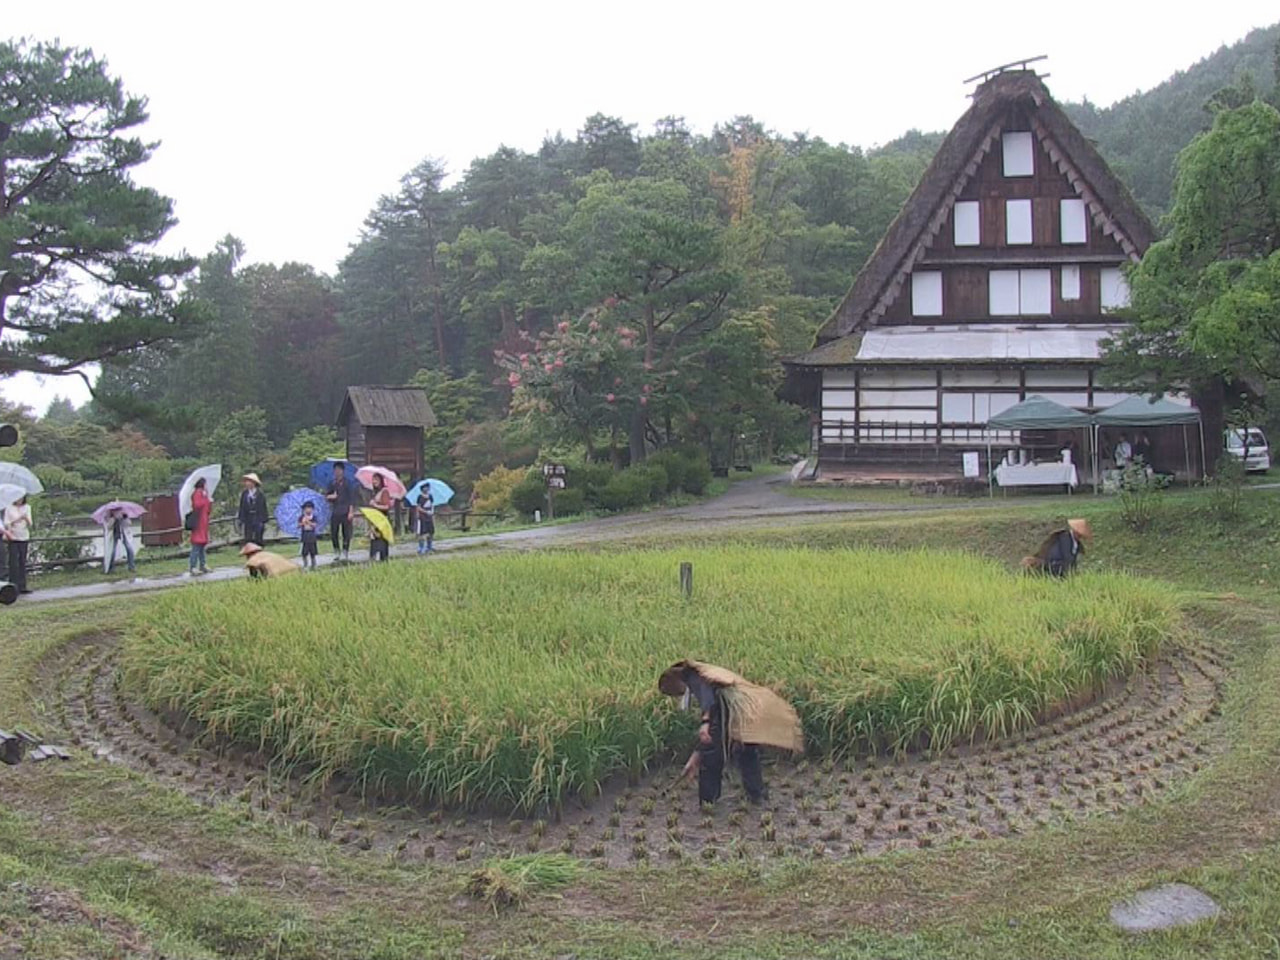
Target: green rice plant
x=518 y=682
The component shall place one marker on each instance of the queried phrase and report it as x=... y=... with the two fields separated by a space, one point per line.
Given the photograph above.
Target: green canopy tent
x=1142 y=412
x=1038 y=413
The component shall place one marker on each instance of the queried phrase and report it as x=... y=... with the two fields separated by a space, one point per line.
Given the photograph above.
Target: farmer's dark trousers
x=255 y=535
x=711 y=771
x=18 y=564
x=340 y=526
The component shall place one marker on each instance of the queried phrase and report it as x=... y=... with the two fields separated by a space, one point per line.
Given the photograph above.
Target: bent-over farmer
x=1058 y=554
x=738 y=717
x=262 y=564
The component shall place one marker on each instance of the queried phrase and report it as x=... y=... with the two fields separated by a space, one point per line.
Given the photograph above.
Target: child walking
x=310 y=532
x=425 y=512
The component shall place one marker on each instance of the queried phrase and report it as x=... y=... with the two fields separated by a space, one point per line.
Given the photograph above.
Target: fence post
x=686 y=579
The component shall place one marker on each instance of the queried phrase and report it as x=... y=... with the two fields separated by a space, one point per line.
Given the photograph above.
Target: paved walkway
x=760 y=497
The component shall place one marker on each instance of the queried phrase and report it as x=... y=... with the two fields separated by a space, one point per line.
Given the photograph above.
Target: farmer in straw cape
x=262 y=563
x=1058 y=554
x=738 y=717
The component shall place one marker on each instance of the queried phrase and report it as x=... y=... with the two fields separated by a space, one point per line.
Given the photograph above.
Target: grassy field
x=523 y=680
x=100 y=860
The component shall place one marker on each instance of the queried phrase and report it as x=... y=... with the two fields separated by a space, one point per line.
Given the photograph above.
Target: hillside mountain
x=1141 y=135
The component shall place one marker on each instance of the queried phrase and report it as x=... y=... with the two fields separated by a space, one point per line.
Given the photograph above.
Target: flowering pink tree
x=585 y=379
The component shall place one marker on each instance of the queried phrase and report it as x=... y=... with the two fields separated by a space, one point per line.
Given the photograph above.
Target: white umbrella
x=20 y=476
x=210 y=474
x=10 y=493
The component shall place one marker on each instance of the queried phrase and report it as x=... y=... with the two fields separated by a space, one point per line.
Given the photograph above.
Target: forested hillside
x=1141 y=135
x=708 y=253
x=613 y=291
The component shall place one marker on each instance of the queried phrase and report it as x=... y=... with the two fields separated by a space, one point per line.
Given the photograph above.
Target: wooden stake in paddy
x=686 y=580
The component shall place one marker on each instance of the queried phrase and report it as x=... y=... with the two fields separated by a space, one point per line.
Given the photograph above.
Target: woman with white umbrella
x=17 y=535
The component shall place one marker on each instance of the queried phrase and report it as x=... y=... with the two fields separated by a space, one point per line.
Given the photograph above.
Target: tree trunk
x=1210 y=398
x=636 y=436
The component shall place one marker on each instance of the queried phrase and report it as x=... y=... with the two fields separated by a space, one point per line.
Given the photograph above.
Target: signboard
x=554 y=472
x=970 y=463
x=555 y=483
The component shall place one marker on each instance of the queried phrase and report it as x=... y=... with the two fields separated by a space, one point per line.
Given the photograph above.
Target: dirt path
x=757 y=498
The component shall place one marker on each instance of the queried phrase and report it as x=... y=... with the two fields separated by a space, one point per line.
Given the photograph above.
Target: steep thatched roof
x=925 y=212
x=387 y=407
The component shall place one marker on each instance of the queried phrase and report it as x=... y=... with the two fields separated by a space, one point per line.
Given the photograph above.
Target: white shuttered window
x=1017 y=221
x=1115 y=288
x=1071 y=282
x=926 y=293
x=1002 y=293
x=1013 y=293
x=1018 y=155
x=1075 y=226
x=968 y=218
x=1035 y=293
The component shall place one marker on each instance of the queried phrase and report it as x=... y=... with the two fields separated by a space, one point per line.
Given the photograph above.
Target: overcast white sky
x=282 y=123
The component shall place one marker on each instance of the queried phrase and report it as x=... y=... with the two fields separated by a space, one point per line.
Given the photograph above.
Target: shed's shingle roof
x=388 y=407
x=957 y=159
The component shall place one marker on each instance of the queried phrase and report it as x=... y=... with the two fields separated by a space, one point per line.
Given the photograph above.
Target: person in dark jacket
x=738 y=718
x=342 y=500
x=253 y=510
x=1061 y=550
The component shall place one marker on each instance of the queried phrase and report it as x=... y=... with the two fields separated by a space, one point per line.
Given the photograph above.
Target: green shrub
x=628 y=489
x=529 y=494
x=591 y=479
x=1140 y=495
x=493 y=490
x=697 y=473
x=675 y=465
x=570 y=502
x=1226 y=488
x=659 y=482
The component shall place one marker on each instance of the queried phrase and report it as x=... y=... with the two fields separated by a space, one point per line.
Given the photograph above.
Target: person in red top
x=200 y=506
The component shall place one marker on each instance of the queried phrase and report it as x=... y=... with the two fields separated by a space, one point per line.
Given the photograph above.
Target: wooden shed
x=383 y=426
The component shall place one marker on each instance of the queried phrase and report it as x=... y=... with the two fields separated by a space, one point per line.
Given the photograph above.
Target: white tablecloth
x=1037 y=475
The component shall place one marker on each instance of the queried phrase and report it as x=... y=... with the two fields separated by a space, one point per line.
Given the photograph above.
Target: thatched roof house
x=996 y=281
x=384 y=426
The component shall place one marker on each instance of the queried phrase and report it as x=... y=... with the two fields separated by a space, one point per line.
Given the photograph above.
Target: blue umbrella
x=289 y=509
x=441 y=492
x=322 y=472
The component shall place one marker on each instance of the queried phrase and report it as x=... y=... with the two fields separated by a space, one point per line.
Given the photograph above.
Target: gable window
x=1115 y=288
x=1071 y=282
x=1075 y=225
x=1018 y=155
x=1019 y=293
x=1017 y=221
x=968 y=230
x=926 y=293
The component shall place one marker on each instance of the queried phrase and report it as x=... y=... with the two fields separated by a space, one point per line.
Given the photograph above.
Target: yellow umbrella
x=378 y=520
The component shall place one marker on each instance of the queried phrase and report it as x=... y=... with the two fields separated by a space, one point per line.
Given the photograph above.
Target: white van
x=1259 y=454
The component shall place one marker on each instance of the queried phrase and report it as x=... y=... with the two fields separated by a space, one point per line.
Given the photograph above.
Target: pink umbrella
x=126 y=508
x=394 y=487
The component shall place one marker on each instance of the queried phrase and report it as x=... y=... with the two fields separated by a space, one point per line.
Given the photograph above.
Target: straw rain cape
x=755 y=714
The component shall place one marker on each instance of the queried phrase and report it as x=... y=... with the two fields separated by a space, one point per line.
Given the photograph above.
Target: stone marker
x=1173 y=905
